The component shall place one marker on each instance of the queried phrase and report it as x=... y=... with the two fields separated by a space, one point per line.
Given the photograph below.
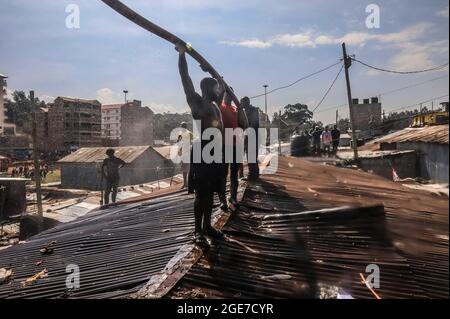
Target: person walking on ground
x=110 y=171
x=336 y=135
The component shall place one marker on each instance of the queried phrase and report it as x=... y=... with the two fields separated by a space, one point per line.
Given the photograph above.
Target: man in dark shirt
x=316 y=134
x=110 y=171
x=253 y=122
x=336 y=135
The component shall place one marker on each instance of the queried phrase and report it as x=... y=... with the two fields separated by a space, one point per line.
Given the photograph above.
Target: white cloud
x=413 y=51
x=166 y=108
x=47 y=98
x=108 y=96
x=312 y=39
x=252 y=43
x=416 y=56
x=443 y=13
x=299 y=40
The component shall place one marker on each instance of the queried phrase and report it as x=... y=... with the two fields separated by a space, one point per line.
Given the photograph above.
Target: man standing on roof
x=184 y=141
x=233 y=118
x=110 y=171
x=252 y=148
x=206 y=175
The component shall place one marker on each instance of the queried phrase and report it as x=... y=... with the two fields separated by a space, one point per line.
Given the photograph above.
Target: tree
x=293 y=116
x=19 y=110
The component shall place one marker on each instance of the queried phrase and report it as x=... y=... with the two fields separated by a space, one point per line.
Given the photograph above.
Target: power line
x=402 y=72
x=388 y=92
x=413 y=85
x=329 y=89
x=417 y=104
x=297 y=81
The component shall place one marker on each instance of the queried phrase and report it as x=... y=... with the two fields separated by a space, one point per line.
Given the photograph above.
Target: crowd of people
x=28 y=171
x=317 y=141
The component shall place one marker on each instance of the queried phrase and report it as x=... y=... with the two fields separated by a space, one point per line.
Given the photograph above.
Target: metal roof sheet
x=117 y=249
x=98 y=154
x=279 y=246
x=427 y=134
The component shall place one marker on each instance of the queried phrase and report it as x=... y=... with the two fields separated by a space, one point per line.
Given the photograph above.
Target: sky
x=250 y=43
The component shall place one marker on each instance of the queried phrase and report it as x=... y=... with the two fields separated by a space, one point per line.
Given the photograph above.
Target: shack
x=430 y=144
x=82 y=169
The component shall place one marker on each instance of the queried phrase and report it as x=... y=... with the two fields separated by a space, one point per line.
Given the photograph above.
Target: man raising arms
x=206 y=176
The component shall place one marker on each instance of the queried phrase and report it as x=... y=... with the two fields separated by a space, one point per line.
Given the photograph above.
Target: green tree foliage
x=293 y=116
x=19 y=110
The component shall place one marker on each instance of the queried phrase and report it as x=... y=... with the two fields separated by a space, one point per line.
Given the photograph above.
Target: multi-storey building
x=127 y=124
x=74 y=123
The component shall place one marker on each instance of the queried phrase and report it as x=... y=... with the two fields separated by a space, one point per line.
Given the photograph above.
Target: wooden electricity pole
x=347 y=64
x=37 y=166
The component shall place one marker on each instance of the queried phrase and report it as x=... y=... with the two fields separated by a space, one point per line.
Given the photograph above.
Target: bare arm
x=103 y=169
x=188 y=86
x=242 y=118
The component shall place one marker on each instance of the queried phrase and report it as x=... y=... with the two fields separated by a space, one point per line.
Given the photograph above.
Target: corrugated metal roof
x=428 y=134
x=164 y=151
x=98 y=154
x=117 y=249
x=279 y=246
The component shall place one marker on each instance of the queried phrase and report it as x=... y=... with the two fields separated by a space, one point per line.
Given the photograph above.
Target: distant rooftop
x=73 y=99
x=429 y=134
x=98 y=154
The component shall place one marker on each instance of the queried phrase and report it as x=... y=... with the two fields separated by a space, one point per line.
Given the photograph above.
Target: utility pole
x=37 y=166
x=337 y=117
x=125 y=92
x=267 y=115
x=279 y=134
x=347 y=64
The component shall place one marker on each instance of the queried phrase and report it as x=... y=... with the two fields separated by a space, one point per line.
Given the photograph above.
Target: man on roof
x=110 y=171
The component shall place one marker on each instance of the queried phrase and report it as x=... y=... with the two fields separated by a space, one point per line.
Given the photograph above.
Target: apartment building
x=74 y=123
x=127 y=124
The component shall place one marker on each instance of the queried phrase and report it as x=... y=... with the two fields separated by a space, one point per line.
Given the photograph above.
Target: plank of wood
x=144 y=23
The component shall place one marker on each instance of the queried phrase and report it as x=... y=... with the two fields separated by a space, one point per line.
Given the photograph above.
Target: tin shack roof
x=311 y=230
x=98 y=154
x=428 y=134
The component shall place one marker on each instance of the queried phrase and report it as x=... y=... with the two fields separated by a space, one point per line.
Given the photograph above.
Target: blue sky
x=250 y=43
